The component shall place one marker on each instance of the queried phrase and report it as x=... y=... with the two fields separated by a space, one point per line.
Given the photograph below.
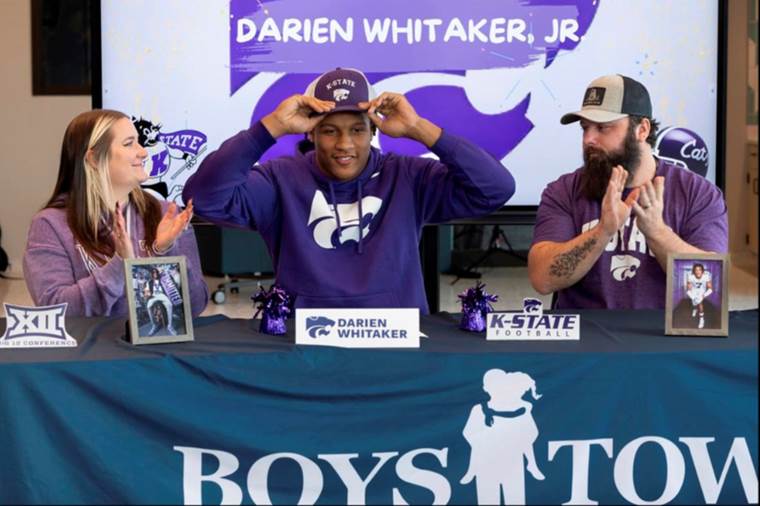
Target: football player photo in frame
x=697 y=295
x=159 y=302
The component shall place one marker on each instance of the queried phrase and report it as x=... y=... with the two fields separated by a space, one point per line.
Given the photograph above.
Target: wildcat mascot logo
x=327 y=234
x=171 y=155
x=319 y=326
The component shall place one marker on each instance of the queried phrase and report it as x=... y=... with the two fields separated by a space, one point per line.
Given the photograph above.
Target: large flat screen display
x=499 y=72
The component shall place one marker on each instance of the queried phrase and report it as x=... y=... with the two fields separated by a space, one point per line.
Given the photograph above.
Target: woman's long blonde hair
x=84 y=185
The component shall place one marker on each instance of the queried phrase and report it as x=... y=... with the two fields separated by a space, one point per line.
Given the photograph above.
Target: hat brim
x=347 y=108
x=340 y=108
x=595 y=115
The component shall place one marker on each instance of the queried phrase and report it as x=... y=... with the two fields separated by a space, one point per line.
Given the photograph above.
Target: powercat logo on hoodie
x=327 y=232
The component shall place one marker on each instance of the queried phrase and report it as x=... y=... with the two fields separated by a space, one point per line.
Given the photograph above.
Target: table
x=624 y=415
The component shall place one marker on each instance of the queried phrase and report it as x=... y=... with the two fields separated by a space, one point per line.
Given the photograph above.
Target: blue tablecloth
x=624 y=415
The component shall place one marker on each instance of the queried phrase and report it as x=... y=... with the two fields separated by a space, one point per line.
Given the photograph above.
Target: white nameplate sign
x=36 y=327
x=531 y=324
x=359 y=328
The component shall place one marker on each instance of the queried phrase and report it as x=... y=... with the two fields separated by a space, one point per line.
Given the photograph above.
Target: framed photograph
x=159 y=301
x=697 y=295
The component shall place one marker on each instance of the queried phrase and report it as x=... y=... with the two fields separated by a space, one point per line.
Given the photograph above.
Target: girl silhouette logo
x=501 y=433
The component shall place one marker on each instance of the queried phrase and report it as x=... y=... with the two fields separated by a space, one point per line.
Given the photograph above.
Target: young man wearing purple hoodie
x=342 y=222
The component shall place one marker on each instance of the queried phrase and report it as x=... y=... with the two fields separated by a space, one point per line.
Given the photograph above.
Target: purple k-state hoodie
x=323 y=253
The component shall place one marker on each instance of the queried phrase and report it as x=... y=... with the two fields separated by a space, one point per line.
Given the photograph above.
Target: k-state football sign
x=532 y=324
x=36 y=327
x=359 y=328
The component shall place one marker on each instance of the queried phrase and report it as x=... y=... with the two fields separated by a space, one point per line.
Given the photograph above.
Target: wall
x=752 y=70
x=30 y=131
x=736 y=127
x=31 y=128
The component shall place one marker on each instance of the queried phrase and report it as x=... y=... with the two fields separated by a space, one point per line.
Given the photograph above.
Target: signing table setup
x=624 y=414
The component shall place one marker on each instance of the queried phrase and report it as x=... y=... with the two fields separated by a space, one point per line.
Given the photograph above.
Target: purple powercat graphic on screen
x=303 y=39
x=496 y=133
x=497 y=72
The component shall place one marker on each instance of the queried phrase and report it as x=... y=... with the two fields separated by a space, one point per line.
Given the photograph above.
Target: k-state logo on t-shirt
x=624 y=267
x=628 y=247
x=326 y=232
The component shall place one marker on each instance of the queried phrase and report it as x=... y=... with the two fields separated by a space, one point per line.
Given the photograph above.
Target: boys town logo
x=501 y=434
x=333 y=229
x=171 y=156
x=33 y=327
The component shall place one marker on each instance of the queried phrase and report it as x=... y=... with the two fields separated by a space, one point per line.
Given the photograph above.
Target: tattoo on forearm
x=565 y=263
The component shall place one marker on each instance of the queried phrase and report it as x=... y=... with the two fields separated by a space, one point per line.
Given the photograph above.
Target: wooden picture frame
x=159 y=300
x=61 y=47
x=696 y=294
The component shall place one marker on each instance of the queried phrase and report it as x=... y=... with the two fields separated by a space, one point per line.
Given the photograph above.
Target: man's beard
x=598 y=165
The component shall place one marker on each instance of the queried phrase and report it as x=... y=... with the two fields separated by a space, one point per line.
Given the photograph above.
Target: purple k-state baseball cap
x=345 y=87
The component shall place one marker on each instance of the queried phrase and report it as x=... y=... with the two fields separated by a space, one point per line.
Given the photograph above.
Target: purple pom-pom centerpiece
x=274 y=304
x=476 y=304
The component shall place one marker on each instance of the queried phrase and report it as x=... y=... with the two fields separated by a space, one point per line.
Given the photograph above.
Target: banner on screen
x=499 y=72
